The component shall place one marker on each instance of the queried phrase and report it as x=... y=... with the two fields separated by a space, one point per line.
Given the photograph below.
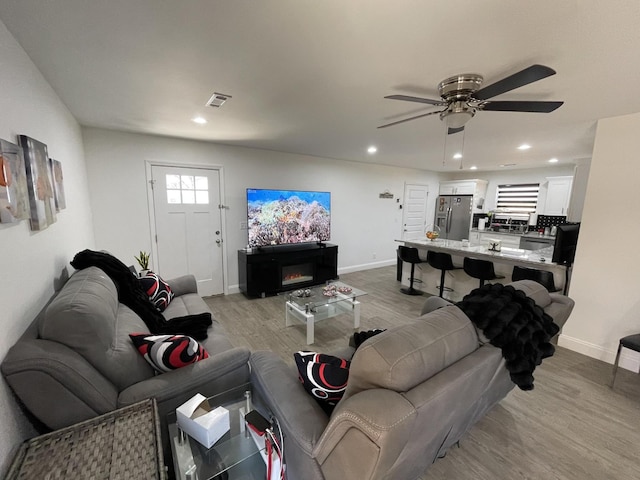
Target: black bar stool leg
x=615 y=365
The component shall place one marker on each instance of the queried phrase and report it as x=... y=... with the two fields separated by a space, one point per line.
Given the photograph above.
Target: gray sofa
x=76 y=360
x=413 y=392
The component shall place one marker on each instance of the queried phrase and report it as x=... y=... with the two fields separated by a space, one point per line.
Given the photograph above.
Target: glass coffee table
x=321 y=302
x=236 y=456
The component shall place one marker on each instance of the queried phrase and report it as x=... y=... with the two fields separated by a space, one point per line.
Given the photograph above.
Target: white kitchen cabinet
x=477 y=188
x=558 y=195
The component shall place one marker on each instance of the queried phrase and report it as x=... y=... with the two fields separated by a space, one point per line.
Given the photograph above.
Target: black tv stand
x=273 y=269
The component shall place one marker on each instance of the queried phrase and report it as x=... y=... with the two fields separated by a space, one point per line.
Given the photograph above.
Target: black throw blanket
x=131 y=294
x=515 y=324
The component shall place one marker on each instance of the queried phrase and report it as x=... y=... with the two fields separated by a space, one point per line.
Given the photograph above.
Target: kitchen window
x=518 y=197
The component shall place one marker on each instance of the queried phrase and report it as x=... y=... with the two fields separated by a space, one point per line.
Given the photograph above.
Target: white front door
x=414 y=214
x=188 y=225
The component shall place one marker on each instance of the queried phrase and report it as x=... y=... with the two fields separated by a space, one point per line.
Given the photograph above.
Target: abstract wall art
x=14 y=198
x=58 y=184
x=39 y=183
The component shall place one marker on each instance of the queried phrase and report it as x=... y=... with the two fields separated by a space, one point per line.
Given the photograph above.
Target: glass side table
x=236 y=456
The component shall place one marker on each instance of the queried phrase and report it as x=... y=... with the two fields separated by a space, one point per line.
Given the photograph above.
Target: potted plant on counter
x=143 y=261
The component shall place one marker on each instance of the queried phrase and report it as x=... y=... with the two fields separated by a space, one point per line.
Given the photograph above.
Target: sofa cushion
x=168 y=352
x=324 y=377
x=157 y=289
x=183 y=305
x=87 y=317
x=404 y=356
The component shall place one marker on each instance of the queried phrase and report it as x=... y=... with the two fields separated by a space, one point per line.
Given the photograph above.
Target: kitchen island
x=459 y=281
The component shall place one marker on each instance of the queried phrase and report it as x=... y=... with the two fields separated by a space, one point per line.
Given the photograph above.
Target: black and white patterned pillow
x=157 y=289
x=323 y=376
x=168 y=352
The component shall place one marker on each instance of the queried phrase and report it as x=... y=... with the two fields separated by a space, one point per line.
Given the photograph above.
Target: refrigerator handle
x=448 y=224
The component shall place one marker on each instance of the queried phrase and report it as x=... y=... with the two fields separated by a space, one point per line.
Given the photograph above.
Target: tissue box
x=198 y=420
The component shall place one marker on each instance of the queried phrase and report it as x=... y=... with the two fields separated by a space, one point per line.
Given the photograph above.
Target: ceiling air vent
x=217 y=99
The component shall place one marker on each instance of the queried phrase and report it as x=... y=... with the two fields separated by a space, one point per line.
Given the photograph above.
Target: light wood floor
x=572 y=426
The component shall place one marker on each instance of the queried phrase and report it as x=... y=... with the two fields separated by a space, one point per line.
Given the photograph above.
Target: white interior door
x=188 y=225
x=414 y=214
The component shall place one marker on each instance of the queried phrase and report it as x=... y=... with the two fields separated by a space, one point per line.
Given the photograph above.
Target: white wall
x=362 y=225
x=606 y=283
x=32 y=261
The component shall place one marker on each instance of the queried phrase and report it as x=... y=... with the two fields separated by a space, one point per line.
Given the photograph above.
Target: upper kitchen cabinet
x=558 y=195
x=477 y=188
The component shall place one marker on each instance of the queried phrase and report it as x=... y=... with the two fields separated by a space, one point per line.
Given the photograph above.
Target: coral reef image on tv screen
x=277 y=217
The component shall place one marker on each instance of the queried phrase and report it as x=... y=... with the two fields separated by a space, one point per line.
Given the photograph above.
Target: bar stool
x=543 y=277
x=410 y=255
x=480 y=269
x=631 y=342
x=441 y=261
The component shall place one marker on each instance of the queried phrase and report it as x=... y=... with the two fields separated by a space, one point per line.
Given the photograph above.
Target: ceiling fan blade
x=409 y=119
x=407 y=98
x=517 y=80
x=524 y=106
x=451 y=131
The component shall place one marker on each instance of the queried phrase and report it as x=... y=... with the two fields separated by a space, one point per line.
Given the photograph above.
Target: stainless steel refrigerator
x=453 y=216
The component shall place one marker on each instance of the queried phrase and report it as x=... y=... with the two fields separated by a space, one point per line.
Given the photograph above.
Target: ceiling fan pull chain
x=444 y=151
x=464 y=132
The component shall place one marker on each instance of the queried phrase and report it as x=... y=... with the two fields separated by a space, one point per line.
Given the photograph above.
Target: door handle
x=448 y=224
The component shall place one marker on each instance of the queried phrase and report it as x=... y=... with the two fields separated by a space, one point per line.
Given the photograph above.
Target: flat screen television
x=564 y=247
x=279 y=217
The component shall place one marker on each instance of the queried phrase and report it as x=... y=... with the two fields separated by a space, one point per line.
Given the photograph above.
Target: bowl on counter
x=431 y=235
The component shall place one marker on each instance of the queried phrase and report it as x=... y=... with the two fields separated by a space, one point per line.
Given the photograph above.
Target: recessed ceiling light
x=524 y=146
x=473 y=167
x=457 y=155
x=372 y=149
x=553 y=160
x=199 y=120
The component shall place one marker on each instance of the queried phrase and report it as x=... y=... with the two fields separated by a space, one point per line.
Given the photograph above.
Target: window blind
x=520 y=198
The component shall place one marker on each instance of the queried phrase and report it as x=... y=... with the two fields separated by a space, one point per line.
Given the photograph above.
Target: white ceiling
x=309 y=77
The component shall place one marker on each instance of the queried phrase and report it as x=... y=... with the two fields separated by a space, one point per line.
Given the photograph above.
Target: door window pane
x=187 y=182
x=187 y=189
x=188 y=196
x=173 y=196
x=173 y=181
x=202 y=183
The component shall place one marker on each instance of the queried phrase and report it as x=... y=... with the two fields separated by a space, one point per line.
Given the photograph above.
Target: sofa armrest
x=374 y=424
x=560 y=308
x=218 y=373
x=433 y=303
x=277 y=385
x=183 y=284
x=56 y=384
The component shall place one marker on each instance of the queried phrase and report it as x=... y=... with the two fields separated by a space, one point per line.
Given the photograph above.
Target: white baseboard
x=366 y=266
x=629 y=360
x=233 y=289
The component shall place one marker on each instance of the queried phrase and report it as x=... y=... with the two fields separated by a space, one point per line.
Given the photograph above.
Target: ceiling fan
x=462 y=97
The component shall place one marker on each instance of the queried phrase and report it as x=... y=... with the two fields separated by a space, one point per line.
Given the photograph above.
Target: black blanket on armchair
x=131 y=294
x=515 y=324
